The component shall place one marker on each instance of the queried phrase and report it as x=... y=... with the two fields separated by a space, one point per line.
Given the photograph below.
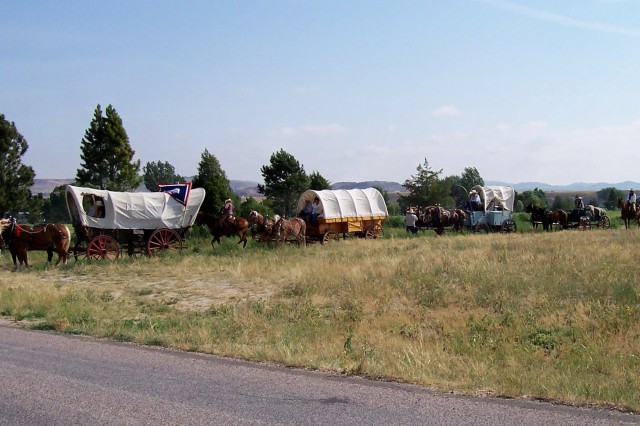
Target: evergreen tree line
x=107 y=163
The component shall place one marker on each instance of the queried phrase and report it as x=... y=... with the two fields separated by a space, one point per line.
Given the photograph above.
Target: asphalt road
x=53 y=379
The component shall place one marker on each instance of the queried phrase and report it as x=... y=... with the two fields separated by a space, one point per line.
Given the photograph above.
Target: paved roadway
x=53 y=379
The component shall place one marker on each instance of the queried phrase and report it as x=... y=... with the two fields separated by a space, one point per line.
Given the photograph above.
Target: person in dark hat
x=631 y=200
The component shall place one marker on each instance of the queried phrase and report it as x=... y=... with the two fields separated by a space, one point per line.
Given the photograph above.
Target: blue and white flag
x=179 y=191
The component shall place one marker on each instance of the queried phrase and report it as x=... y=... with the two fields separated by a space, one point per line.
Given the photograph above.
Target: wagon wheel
x=604 y=222
x=79 y=253
x=374 y=231
x=329 y=236
x=508 y=226
x=482 y=227
x=103 y=247
x=585 y=223
x=164 y=239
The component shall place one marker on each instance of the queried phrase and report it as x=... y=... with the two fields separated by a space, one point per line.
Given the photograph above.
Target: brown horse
x=262 y=227
x=550 y=217
x=289 y=229
x=50 y=237
x=439 y=219
x=224 y=227
x=628 y=214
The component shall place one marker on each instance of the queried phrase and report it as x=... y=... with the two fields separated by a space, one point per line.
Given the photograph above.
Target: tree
x=54 y=209
x=158 y=173
x=470 y=177
x=536 y=197
x=250 y=204
x=107 y=157
x=284 y=181
x=609 y=197
x=214 y=180
x=15 y=177
x=562 y=203
x=317 y=182
x=425 y=188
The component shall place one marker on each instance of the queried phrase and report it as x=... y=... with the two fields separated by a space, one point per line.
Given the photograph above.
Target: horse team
x=277 y=229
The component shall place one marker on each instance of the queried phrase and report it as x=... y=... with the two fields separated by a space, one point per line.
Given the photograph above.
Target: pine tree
x=284 y=181
x=107 y=156
x=425 y=188
x=214 y=180
x=15 y=177
x=158 y=173
x=317 y=182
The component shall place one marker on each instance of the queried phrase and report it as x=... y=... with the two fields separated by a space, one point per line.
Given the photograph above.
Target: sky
x=524 y=91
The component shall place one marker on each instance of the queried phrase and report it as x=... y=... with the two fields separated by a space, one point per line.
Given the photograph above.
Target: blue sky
x=356 y=90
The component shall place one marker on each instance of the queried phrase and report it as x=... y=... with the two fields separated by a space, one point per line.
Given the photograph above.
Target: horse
x=285 y=229
x=439 y=218
x=261 y=227
x=627 y=214
x=50 y=237
x=224 y=228
x=536 y=213
x=555 y=216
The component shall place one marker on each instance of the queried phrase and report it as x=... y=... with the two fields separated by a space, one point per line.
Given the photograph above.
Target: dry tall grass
x=544 y=315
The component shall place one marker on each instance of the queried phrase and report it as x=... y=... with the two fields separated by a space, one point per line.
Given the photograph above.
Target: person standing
x=410 y=220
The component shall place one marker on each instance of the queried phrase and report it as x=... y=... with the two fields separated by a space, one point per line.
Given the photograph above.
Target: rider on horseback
x=226 y=216
x=631 y=200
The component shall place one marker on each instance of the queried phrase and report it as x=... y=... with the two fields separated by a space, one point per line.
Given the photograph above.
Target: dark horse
x=50 y=237
x=536 y=213
x=627 y=214
x=440 y=219
x=224 y=227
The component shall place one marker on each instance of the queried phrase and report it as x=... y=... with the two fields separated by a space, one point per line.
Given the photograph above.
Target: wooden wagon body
x=357 y=212
x=108 y=222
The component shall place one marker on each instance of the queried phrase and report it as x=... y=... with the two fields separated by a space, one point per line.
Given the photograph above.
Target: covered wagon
x=140 y=222
x=357 y=212
x=494 y=213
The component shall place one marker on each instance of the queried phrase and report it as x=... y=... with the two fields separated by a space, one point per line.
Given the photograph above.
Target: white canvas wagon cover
x=135 y=210
x=348 y=203
x=503 y=195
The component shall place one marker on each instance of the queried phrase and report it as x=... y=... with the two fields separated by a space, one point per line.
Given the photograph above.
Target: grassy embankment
x=547 y=315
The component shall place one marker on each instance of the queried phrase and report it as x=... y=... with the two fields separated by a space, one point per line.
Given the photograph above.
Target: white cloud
x=446 y=110
x=560 y=19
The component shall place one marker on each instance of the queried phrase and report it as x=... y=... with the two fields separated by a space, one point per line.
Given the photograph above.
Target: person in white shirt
x=631 y=200
x=318 y=211
x=410 y=220
x=474 y=200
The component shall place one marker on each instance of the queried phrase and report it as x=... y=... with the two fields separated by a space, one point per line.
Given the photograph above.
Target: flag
x=179 y=191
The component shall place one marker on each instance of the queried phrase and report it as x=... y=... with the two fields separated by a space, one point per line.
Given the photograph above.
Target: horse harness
x=19 y=233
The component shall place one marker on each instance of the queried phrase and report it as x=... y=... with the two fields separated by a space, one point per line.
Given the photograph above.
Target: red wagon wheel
x=103 y=247
x=164 y=239
x=585 y=223
x=374 y=231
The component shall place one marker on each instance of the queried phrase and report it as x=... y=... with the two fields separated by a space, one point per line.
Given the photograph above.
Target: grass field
x=545 y=315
